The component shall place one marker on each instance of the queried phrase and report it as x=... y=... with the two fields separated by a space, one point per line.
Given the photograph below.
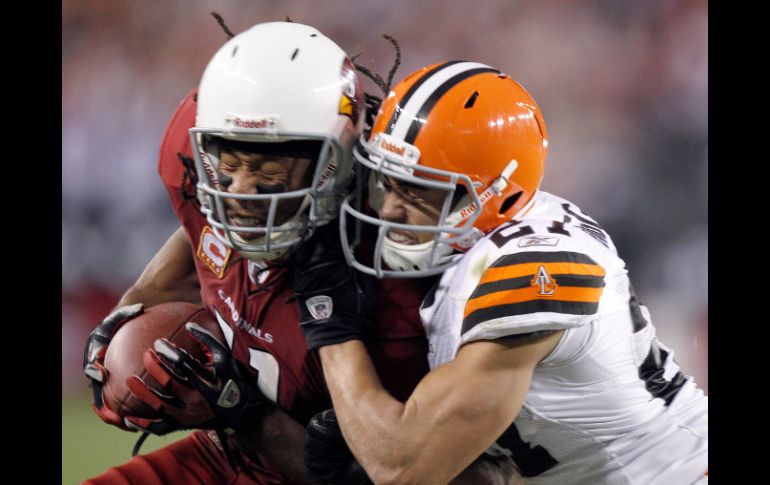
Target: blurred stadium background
x=623 y=86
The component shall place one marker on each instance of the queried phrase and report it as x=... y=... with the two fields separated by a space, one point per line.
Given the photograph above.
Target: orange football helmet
x=462 y=127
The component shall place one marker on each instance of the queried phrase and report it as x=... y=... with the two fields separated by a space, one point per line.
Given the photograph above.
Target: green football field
x=90 y=446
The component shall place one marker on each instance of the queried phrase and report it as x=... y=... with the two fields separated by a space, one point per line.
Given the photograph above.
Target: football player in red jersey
x=272 y=165
x=256 y=186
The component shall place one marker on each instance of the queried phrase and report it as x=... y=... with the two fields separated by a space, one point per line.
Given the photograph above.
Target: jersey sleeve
x=531 y=291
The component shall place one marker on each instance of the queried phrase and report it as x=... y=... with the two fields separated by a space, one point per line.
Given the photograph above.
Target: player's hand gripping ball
x=126 y=350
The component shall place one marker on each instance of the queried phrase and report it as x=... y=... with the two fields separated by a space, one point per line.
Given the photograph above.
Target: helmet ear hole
x=508 y=203
x=472 y=100
x=460 y=196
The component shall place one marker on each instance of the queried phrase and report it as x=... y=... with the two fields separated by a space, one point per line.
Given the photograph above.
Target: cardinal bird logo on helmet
x=352 y=95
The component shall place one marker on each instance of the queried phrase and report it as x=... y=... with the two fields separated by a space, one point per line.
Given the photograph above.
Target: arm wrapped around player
x=216 y=394
x=335 y=302
x=93 y=359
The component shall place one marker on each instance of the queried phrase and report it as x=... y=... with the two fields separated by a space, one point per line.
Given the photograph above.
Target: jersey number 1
x=268 y=372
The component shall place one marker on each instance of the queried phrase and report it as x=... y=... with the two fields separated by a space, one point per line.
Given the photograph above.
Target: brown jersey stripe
x=532 y=293
x=543 y=257
x=534 y=306
x=587 y=281
x=502 y=285
x=527 y=269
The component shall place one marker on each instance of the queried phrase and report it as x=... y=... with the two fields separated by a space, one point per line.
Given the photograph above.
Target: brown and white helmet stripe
x=413 y=109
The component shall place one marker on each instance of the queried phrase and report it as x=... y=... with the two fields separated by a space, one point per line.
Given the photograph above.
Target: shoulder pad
x=535 y=290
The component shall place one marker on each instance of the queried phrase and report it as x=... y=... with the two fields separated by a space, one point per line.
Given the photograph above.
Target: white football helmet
x=278 y=82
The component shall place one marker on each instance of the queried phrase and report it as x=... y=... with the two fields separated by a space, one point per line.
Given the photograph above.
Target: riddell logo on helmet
x=247 y=123
x=472 y=207
x=467 y=211
x=390 y=147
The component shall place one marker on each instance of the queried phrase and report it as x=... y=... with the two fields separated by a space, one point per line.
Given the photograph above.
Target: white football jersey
x=608 y=405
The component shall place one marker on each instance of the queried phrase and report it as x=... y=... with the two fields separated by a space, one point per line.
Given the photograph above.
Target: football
x=124 y=353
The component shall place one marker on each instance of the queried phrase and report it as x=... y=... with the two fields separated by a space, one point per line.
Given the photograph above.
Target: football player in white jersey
x=539 y=348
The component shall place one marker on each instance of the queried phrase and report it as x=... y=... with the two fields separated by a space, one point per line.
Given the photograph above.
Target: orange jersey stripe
x=526 y=269
x=564 y=293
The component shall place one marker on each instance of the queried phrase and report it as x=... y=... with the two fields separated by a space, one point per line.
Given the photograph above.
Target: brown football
x=126 y=349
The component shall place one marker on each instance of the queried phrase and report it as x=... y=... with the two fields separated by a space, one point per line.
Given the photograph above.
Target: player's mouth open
x=241 y=220
x=402 y=237
x=245 y=221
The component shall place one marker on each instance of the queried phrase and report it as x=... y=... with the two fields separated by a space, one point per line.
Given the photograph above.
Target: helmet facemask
x=265 y=222
x=277 y=84
x=457 y=209
x=456 y=122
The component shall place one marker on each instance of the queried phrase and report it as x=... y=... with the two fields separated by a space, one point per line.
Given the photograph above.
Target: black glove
x=335 y=302
x=93 y=359
x=212 y=395
x=327 y=457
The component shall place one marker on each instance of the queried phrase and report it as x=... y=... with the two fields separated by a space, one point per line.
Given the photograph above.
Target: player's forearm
x=151 y=294
x=453 y=415
x=280 y=440
x=372 y=421
x=169 y=276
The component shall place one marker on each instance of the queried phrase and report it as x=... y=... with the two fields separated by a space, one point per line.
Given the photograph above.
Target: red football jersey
x=257 y=302
x=256 y=308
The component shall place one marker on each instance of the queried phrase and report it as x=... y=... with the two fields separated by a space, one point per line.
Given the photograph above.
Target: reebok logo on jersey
x=544 y=281
x=530 y=241
x=213 y=252
x=320 y=306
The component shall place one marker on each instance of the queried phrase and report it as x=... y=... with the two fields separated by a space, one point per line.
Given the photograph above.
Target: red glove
x=182 y=406
x=216 y=394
